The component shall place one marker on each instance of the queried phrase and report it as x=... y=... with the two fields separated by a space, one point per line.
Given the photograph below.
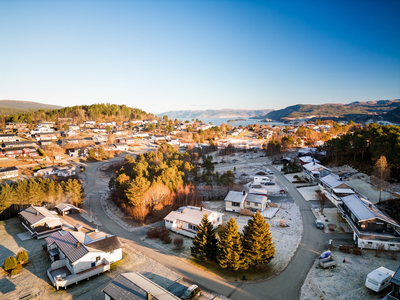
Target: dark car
x=269 y=183
x=319 y=224
x=192 y=292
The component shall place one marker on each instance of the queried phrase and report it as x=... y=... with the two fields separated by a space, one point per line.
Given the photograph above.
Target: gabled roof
x=191 y=214
x=396 y=277
x=128 y=286
x=67 y=242
x=107 y=244
x=255 y=198
x=65 y=206
x=308 y=159
x=35 y=214
x=331 y=180
x=365 y=210
x=233 y=196
x=314 y=166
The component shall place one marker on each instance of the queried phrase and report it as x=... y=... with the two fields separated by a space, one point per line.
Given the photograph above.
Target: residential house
x=16 y=125
x=140 y=135
x=45 y=142
x=8 y=138
x=303 y=160
x=19 y=151
x=314 y=171
x=121 y=146
x=18 y=144
x=46 y=124
x=46 y=136
x=234 y=201
x=74 y=127
x=372 y=229
x=66 y=171
x=127 y=286
x=395 y=281
x=41 y=129
x=45 y=172
x=77 y=152
x=75 y=256
x=255 y=202
x=89 y=123
x=156 y=138
x=66 y=208
x=334 y=188
x=8 y=172
x=186 y=219
x=39 y=221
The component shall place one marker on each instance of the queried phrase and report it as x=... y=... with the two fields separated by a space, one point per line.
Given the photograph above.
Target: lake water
x=219 y=121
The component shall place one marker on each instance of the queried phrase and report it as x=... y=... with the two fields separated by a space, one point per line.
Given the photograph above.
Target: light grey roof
x=308 y=159
x=258 y=191
x=255 y=198
x=192 y=215
x=65 y=206
x=343 y=191
x=311 y=166
x=67 y=242
x=35 y=214
x=365 y=210
x=332 y=180
x=127 y=286
x=233 y=196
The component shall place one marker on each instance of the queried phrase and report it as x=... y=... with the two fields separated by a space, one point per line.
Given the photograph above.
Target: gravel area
x=347 y=280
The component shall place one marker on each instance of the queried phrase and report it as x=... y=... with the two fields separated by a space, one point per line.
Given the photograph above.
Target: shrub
x=165 y=238
x=10 y=263
x=345 y=249
x=22 y=257
x=178 y=243
x=357 y=251
x=41 y=152
x=14 y=272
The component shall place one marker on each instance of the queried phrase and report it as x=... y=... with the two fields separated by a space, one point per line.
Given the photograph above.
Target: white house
x=235 y=201
x=186 y=219
x=75 y=256
x=371 y=228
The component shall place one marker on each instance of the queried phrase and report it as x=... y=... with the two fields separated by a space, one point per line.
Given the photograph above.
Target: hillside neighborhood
x=303 y=203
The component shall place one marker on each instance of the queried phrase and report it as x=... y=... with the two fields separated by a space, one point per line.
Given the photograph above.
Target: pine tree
x=205 y=243
x=230 y=248
x=258 y=247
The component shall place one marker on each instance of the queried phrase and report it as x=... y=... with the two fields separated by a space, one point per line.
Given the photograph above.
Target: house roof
x=127 y=286
x=65 y=206
x=233 y=196
x=365 y=210
x=2 y=170
x=107 y=244
x=258 y=191
x=255 y=198
x=192 y=215
x=67 y=242
x=332 y=180
x=35 y=214
x=396 y=277
x=343 y=191
x=314 y=166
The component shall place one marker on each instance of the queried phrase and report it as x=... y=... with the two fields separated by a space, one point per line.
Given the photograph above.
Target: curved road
x=284 y=286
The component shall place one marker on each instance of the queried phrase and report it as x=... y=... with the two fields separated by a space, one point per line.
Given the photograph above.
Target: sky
x=193 y=55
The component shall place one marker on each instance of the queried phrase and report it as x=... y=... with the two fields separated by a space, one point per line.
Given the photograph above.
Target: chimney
x=244 y=193
x=370 y=205
x=37 y=213
x=201 y=208
x=149 y=296
x=78 y=244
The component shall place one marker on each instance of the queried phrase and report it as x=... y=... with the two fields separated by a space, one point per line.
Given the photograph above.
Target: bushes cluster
x=178 y=243
x=13 y=265
x=159 y=232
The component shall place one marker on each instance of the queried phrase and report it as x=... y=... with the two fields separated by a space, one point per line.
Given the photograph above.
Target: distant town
x=162 y=208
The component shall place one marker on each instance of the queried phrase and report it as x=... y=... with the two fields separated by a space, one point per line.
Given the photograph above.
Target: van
x=379 y=279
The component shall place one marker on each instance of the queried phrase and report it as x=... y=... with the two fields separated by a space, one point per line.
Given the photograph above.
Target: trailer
x=327 y=263
x=379 y=279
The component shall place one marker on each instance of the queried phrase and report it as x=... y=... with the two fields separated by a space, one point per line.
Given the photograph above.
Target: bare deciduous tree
x=382 y=173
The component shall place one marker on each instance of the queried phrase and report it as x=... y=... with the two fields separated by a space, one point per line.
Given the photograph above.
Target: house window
x=218 y=219
x=370 y=243
x=235 y=204
x=97 y=258
x=191 y=227
x=255 y=204
x=248 y=203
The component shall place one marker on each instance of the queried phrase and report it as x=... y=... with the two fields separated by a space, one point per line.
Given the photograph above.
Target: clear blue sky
x=175 y=55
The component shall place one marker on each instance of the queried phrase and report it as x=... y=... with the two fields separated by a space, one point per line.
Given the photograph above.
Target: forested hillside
x=8 y=107
x=97 y=112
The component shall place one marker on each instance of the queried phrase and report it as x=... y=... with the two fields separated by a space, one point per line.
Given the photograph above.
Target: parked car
x=319 y=224
x=192 y=292
x=269 y=183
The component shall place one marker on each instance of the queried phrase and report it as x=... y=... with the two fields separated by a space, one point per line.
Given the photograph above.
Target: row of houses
x=371 y=228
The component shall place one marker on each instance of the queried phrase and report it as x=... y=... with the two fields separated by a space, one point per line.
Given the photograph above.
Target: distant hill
x=8 y=107
x=214 y=113
x=356 y=111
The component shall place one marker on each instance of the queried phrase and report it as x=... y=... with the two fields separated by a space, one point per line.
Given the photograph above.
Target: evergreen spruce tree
x=205 y=243
x=258 y=247
x=230 y=248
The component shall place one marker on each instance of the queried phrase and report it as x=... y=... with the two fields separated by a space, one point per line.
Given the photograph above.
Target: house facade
x=186 y=219
x=371 y=228
x=75 y=256
x=10 y=172
x=313 y=172
x=235 y=201
x=334 y=188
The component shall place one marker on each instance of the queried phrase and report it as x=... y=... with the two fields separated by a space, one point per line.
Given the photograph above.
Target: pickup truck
x=328 y=262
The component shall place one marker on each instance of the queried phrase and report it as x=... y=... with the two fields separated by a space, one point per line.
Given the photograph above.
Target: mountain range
x=8 y=107
x=214 y=113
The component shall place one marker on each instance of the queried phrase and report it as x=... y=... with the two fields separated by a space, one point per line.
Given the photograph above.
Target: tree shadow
x=6 y=286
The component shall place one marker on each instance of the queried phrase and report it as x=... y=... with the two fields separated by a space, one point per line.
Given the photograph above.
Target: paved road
x=284 y=286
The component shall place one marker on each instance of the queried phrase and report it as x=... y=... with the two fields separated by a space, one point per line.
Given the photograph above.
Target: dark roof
x=68 y=244
x=34 y=214
x=8 y=169
x=396 y=277
x=107 y=244
x=127 y=286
